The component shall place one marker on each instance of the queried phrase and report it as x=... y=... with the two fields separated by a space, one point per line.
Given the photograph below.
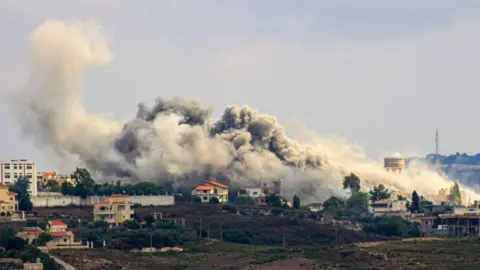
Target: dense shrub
x=392 y=226
x=244 y=200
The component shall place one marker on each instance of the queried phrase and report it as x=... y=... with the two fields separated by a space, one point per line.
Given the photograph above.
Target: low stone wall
x=56 y=200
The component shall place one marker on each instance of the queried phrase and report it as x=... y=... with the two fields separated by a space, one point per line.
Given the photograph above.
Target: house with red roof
x=60 y=234
x=116 y=210
x=211 y=189
x=56 y=228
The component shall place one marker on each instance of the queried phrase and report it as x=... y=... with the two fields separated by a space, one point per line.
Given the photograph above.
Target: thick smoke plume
x=176 y=141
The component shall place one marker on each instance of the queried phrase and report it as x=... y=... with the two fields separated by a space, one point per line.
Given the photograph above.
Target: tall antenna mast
x=436 y=142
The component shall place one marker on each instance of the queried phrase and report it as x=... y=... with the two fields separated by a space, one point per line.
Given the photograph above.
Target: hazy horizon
x=380 y=75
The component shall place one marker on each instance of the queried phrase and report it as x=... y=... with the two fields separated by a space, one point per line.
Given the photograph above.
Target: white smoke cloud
x=177 y=141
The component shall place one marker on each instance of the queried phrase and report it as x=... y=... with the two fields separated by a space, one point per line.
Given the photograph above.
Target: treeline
x=85 y=186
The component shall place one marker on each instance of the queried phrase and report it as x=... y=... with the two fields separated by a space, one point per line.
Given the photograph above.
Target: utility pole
x=221 y=230
x=208 y=232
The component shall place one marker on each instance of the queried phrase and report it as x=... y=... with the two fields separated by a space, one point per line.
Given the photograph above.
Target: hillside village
x=74 y=212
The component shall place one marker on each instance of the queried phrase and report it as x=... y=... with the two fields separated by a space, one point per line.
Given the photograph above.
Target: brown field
x=298 y=231
x=443 y=254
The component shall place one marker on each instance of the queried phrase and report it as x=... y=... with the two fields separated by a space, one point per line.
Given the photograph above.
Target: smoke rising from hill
x=176 y=141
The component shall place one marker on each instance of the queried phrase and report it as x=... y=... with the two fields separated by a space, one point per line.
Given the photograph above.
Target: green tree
x=21 y=187
x=334 y=205
x=244 y=200
x=273 y=201
x=455 y=195
x=16 y=243
x=44 y=238
x=357 y=204
x=352 y=182
x=214 y=200
x=296 y=202
x=149 y=220
x=424 y=203
x=415 y=206
x=379 y=193
x=68 y=189
x=85 y=185
x=131 y=224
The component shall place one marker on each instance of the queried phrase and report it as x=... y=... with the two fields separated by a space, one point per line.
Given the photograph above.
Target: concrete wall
x=57 y=199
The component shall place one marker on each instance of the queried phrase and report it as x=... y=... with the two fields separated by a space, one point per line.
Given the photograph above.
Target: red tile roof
x=56 y=222
x=204 y=187
x=3 y=186
x=32 y=233
x=425 y=218
x=121 y=203
x=215 y=183
x=58 y=233
x=119 y=196
x=103 y=203
x=48 y=174
x=11 y=193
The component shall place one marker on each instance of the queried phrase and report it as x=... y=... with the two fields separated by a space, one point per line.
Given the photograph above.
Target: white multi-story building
x=252 y=192
x=11 y=170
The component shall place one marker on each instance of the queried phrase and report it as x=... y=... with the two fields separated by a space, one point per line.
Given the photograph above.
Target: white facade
x=465 y=210
x=11 y=170
x=389 y=207
x=252 y=192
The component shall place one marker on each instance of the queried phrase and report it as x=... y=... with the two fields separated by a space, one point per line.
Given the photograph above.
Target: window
x=15 y=176
x=255 y=193
x=20 y=166
x=215 y=191
x=11 y=198
x=205 y=198
x=65 y=240
x=6 y=166
x=7 y=176
x=28 y=167
x=15 y=167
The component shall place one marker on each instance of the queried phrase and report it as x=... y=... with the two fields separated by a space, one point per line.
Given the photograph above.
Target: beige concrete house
x=61 y=236
x=8 y=202
x=116 y=210
x=56 y=228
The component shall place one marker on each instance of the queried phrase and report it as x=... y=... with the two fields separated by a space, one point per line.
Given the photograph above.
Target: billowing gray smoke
x=176 y=141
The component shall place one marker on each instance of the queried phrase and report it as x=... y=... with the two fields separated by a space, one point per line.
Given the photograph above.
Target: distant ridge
x=462 y=167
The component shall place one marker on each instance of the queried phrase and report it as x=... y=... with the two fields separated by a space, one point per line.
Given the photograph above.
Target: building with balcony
x=11 y=170
x=8 y=202
x=116 y=210
x=60 y=234
x=211 y=189
x=257 y=194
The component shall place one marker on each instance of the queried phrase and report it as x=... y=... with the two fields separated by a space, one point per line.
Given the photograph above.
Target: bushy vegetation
x=16 y=247
x=85 y=186
x=131 y=235
x=244 y=200
x=392 y=226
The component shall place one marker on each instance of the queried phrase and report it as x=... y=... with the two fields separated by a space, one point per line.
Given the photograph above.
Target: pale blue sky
x=383 y=74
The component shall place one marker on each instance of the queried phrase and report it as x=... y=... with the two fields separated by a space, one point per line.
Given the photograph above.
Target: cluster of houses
x=116 y=210
x=445 y=219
